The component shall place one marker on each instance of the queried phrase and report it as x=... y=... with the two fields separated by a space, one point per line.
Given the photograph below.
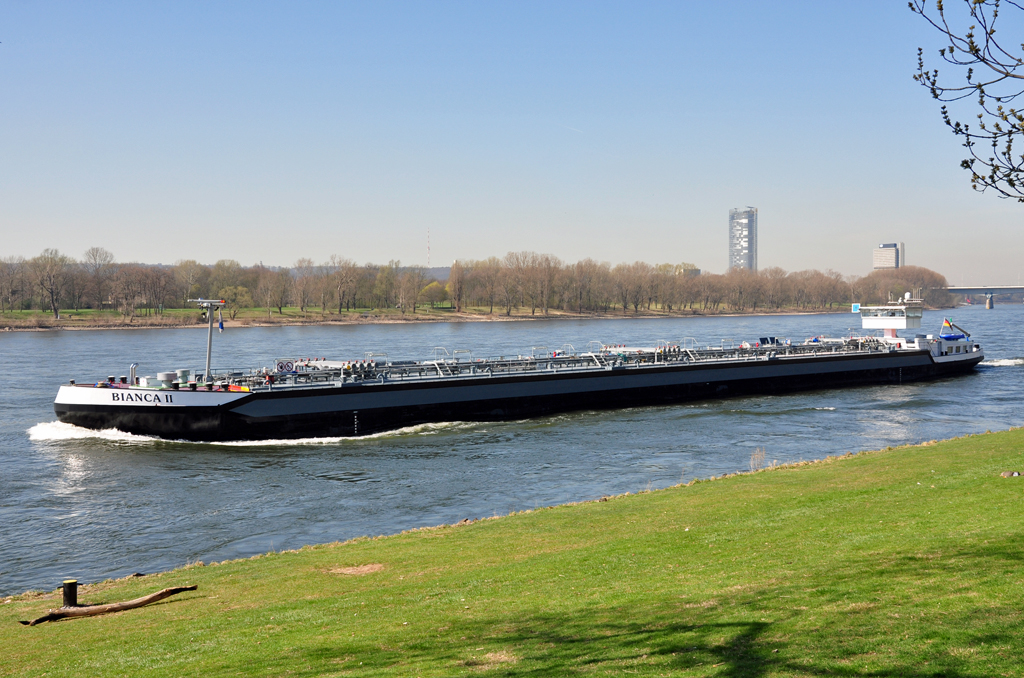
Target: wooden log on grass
x=93 y=610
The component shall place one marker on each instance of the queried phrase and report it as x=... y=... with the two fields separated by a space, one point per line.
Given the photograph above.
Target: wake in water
x=419 y=429
x=56 y=431
x=52 y=431
x=1004 y=362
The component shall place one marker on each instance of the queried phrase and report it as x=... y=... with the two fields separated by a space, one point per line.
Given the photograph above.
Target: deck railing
x=328 y=374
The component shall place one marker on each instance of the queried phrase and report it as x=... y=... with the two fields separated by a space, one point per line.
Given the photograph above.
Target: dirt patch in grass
x=358 y=569
x=491 y=660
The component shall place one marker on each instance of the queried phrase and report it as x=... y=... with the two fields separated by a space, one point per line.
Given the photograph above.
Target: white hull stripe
x=144 y=397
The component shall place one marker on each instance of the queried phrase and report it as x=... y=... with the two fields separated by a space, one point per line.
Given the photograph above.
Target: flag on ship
x=946 y=325
x=220 y=321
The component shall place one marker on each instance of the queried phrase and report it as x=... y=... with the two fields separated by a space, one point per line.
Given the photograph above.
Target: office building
x=888 y=255
x=743 y=238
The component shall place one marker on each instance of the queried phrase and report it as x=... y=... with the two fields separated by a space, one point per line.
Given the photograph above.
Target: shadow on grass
x=940 y=570
x=609 y=641
x=901 y=614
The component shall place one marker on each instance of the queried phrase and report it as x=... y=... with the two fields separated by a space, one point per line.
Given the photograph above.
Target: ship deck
x=307 y=373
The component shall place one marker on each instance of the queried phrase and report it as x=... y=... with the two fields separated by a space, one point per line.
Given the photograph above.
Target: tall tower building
x=743 y=238
x=888 y=255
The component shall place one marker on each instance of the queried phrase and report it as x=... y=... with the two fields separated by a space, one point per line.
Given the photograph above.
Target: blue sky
x=617 y=131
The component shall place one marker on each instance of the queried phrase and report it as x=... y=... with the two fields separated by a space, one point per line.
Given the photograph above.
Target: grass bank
x=903 y=562
x=88 y=319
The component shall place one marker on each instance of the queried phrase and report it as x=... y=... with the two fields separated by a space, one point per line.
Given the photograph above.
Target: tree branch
x=94 y=610
x=1002 y=170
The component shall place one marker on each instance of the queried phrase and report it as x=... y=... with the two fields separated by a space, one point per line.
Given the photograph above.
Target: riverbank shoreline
x=387 y=319
x=877 y=562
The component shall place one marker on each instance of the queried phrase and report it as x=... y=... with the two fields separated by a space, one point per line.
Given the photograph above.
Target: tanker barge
x=316 y=397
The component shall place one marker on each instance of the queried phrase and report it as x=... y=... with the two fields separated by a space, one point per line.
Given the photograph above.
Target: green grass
x=291 y=315
x=904 y=562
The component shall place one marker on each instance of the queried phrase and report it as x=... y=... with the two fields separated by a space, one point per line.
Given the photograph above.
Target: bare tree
x=709 y=291
x=409 y=284
x=99 y=264
x=742 y=289
x=663 y=286
x=273 y=289
x=583 y=284
x=281 y=289
x=685 y=284
x=532 y=283
x=486 y=276
x=323 y=288
x=265 y=290
x=620 y=281
x=513 y=273
x=639 y=274
x=366 y=285
x=78 y=285
x=802 y=287
x=190 y=276
x=548 y=268
x=12 y=282
x=456 y=284
x=159 y=286
x=832 y=289
x=631 y=283
x=346 y=278
x=508 y=288
x=386 y=283
x=775 y=286
x=304 y=286
x=225 y=273
x=50 y=272
x=992 y=76
x=127 y=289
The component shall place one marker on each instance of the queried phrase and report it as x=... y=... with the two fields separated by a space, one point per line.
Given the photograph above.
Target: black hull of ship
x=350 y=411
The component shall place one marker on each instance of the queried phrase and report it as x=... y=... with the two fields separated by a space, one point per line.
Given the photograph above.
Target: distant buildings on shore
x=888 y=255
x=743 y=238
x=743 y=244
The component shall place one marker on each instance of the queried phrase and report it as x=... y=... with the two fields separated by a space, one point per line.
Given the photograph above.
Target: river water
x=87 y=505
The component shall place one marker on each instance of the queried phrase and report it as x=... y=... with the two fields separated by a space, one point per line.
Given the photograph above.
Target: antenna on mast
x=209 y=306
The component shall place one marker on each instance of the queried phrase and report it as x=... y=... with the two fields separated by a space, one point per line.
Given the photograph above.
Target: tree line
x=518 y=283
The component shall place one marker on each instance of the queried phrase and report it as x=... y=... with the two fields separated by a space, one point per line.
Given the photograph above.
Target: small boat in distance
x=313 y=397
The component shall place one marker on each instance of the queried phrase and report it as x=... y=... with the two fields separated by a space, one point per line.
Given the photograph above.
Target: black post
x=70 y=593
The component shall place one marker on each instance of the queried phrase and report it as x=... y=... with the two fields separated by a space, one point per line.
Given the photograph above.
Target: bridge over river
x=989 y=291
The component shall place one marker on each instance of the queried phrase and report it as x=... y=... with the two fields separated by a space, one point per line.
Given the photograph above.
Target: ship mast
x=210 y=305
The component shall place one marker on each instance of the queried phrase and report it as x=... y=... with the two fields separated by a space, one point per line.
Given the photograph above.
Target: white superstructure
x=906 y=314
